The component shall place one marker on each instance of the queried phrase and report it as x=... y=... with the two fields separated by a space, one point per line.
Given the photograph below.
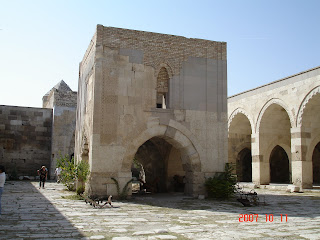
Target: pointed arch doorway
x=279 y=166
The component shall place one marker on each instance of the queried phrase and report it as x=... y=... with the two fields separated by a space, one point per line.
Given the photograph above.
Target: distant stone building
x=274 y=131
x=159 y=98
x=63 y=101
x=32 y=137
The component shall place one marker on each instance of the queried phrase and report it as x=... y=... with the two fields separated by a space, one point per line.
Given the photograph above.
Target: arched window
x=162 y=88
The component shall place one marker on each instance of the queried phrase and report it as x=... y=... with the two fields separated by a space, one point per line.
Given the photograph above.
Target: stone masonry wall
x=25 y=139
x=158 y=48
x=85 y=99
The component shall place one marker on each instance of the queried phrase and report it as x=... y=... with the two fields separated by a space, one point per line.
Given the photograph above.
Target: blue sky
x=42 y=42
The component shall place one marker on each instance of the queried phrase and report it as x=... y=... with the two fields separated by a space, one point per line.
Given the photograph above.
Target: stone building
x=32 y=137
x=159 y=98
x=274 y=131
x=63 y=102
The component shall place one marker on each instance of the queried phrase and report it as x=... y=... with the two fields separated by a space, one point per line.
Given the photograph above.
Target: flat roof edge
x=158 y=33
x=274 y=82
x=36 y=108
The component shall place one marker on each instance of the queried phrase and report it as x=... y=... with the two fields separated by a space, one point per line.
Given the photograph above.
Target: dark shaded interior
x=244 y=166
x=316 y=164
x=158 y=167
x=279 y=166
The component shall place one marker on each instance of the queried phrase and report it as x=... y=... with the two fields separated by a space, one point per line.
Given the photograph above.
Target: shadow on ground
x=28 y=214
x=271 y=202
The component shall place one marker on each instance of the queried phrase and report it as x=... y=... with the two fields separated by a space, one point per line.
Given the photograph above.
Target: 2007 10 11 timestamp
x=265 y=217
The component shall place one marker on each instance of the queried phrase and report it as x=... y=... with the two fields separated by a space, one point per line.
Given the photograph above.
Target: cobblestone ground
x=32 y=213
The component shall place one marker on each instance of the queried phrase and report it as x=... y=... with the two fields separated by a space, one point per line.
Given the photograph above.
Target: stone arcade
x=164 y=94
x=278 y=125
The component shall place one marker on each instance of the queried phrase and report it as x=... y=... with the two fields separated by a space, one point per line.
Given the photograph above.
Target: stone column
x=100 y=184
x=195 y=184
x=260 y=165
x=124 y=178
x=301 y=166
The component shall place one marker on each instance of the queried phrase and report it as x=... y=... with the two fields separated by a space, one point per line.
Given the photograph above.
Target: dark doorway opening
x=244 y=166
x=279 y=166
x=157 y=167
x=316 y=164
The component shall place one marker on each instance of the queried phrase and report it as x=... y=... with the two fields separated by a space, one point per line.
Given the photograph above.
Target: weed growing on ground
x=124 y=193
x=73 y=197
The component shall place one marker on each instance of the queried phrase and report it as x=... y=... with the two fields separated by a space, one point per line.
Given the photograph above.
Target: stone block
x=16 y=122
x=201 y=197
x=127 y=175
x=135 y=55
x=170 y=132
x=181 y=139
x=190 y=150
x=41 y=129
x=292 y=188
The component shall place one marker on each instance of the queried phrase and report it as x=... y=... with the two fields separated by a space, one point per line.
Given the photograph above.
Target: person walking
x=2 y=181
x=43 y=173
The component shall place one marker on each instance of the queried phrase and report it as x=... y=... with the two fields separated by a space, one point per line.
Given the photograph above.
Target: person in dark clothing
x=43 y=172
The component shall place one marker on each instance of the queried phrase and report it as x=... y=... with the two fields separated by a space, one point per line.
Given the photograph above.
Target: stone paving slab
x=32 y=213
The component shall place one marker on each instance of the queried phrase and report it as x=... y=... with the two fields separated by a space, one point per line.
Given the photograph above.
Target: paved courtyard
x=32 y=213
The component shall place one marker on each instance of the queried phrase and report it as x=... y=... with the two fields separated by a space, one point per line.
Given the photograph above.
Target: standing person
x=2 y=181
x=58 y=172
x=43 y=172
x=142 y=178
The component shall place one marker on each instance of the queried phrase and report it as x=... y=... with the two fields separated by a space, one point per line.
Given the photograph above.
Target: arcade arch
x=275 y=130
x=310 y=114
x=285 y=126
x=168 y=151
x=161 y=165
x=239 y=141
x=275 y=104
x=308 y=119
x=310 y=103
